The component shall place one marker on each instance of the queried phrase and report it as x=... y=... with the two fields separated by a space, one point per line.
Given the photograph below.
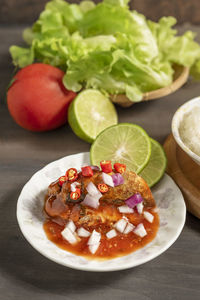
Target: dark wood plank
x=24 y=273
x=183 y=10
x=26 y=11
x=23 y=11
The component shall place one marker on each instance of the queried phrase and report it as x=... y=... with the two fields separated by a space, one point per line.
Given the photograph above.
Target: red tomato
x=37 y=99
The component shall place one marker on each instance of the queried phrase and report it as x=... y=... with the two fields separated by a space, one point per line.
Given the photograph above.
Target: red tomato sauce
x=120 y=245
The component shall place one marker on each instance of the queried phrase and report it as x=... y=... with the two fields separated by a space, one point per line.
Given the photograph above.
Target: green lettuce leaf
x=61 y=13
x=22 y=56
x=85 y=6
x=182 y=50
x=195 y=70
x=108 y=47
x=106 y=19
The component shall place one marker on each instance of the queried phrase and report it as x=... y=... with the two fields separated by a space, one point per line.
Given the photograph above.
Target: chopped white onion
x=129 y=228
x=120 y=225
x=148 y=216
x=107 y=179
x=70 y=225
x=82 y=232
x=92 y=201
x=140 y=208
x=140 y=230
x=69 y=235
x=125 y=218
x=94 y=238
x=92 y=189
x=93 y=248
x=111 y=234
x=125 y=209
x=74 y=185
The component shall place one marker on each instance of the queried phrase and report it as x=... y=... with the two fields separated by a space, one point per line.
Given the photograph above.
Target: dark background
x=26 y=11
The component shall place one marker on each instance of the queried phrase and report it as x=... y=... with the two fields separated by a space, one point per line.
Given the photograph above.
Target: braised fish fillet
x=57 y=205
x=102 y=212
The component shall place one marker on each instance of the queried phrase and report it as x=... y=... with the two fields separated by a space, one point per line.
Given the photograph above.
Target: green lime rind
x=73 y=122
x=156 y=166
x=125 y=143
x=90 y=113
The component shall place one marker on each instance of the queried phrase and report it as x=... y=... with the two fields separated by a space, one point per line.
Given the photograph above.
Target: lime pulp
x=125 y=143
x=90 y=113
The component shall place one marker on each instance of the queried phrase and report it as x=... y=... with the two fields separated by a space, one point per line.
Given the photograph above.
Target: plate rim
x=93 y=268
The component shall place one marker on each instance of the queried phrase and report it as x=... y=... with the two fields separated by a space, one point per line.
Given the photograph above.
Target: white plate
x=168 y=197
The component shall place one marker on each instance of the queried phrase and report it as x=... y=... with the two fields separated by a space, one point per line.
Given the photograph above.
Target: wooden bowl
x=186 y=174
x=181 y=74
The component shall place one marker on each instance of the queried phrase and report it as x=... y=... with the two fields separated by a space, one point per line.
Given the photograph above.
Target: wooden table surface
x=24 y=273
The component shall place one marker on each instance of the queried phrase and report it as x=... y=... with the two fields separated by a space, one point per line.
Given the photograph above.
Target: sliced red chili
x=75 y=195
x=120 y=168
x=106 y=166
x=87 y=171
x=71 y=174
x=61 y=180
x=103 y=188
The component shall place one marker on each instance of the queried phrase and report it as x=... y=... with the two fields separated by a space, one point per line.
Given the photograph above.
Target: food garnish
x=121 y=225
x=71 y=174
x=70 y=225
x=94 y=241
x=95 y=168
x=74 y=185
x=97 y=218
x=93 y=196
x=148 y=216
x=140 y=230
x=106 y=166
x=129 y=228
x=111 y=234
x=75 y=195
x=134 y=200
x=92 y=200
x=69 y=236
x=120 y=168
x=92 y=189
x=107 y=179
x=62 y=180
x=87 y=171
x=125 y=209
x=140 y=207
x=117 y=179
x=103 y=188
x=82 y=232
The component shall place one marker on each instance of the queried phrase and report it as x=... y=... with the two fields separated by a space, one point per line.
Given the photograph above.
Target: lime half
x=125 y=143
x=90 y=113
x=156 y=166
